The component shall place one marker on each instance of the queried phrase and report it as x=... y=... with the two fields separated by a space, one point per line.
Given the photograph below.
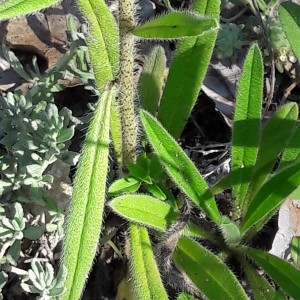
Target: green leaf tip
x=176 y=24
x=16 y=8
x=102 y=40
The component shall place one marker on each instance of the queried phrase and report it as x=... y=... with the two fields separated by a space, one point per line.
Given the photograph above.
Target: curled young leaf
x=231 y=232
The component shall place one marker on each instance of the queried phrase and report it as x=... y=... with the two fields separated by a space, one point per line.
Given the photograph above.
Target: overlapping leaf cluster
x=257 y=190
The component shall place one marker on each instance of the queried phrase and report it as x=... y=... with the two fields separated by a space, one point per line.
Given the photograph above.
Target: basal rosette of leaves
x=256 y=196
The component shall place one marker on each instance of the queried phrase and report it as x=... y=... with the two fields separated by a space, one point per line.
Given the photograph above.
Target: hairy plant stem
x=142 y=262
x=126 y=80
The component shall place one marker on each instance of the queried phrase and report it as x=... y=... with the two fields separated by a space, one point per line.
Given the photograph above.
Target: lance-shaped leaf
x=179 y=166
x=102 y=41
x=282 y=272
x=292 y=151
x=144 y=270
x=124 y=185
x=151 y=212
x=187 y=72
x=15 y=8
x=289 y=15
x=152 y=78
x=246 y=128
x=145 y=210
x=175 y=24
x=207 y=271
x=261 y=288
x=275 y=137
x=272 y=194
x=85 y=217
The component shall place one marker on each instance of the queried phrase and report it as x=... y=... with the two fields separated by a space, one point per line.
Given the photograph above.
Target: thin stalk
x=126 y=80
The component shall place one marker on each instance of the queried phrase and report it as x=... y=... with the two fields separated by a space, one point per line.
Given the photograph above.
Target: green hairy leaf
x=175 y=24
x=246 y=128
x=102 y=41
x=144 y=210
x=207 y=271
x=292 y=151
x=153 y=213
x=124 y=185
x=3 y=279
x=156 y=191
x=144 y=270
x=151 y=80
x=289 y=15
x=272 y=194
x=15 y=8
x=187 y=72
x=85 y=218
x=275 y=136
x=139 y=172
x=179 y=166
x=282 y=272
x=261 y=288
